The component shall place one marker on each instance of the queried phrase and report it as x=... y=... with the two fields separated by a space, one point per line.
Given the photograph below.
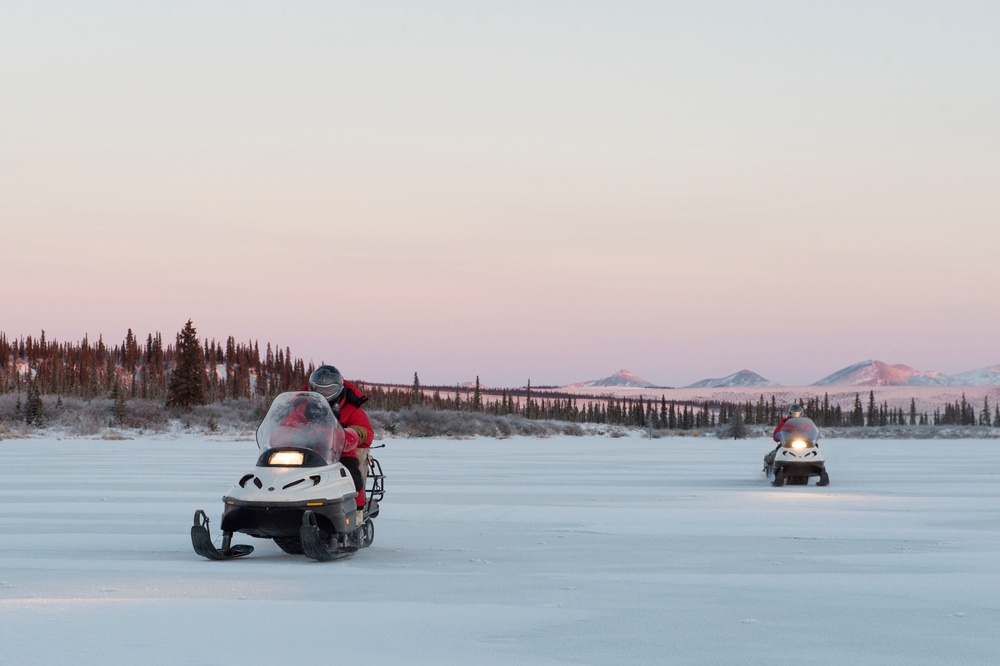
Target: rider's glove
x=360 y=432
x=352 y=440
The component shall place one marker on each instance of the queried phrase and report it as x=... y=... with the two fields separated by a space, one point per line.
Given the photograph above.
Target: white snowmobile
x=299 y=494
x=797 y=456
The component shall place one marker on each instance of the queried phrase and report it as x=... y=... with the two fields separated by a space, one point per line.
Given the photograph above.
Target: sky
x=516 y=191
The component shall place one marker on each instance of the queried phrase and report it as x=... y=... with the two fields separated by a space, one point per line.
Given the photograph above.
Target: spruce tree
x=872 y=410
x=416 y=393
x=119 y=411
x=857 y=414
x=186 y=387
x=738 y=429
x=34 y=410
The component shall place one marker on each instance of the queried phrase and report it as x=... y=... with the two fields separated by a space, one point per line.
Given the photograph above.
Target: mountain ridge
x=622 y=378
x=879 y=373
x=741 y=378
x=864 y=373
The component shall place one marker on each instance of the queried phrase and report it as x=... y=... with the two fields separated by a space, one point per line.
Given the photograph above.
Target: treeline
x=185 y=371
x=825 y=414
x=143 y=369
x=666 y=414
x=552 y=406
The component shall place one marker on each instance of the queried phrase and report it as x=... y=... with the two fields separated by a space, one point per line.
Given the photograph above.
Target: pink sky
x=515 y=192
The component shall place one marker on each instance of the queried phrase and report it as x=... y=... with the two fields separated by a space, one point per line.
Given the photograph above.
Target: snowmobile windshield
x=302 y=420
x=798 y=429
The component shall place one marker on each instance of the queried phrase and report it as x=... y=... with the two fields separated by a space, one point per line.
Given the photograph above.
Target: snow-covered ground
x=519 y=551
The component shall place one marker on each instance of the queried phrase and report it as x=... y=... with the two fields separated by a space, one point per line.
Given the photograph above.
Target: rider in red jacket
x=346 y=400
x=794 y=411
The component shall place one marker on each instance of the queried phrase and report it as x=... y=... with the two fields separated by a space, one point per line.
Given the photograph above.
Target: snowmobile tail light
x=800 y=444
x=286 y=458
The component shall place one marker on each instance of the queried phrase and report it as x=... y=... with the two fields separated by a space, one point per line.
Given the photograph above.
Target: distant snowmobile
x=797 y=456
x=299 y=494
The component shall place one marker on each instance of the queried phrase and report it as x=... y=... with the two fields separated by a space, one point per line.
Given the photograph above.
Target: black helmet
x=327 y=381
x=795 y=410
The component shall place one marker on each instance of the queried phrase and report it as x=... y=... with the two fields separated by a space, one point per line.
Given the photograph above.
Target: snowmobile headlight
x=286 y=458
x=800 y=444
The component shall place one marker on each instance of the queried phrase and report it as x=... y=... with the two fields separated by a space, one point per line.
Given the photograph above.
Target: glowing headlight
x=286 y=458
x=800 y=444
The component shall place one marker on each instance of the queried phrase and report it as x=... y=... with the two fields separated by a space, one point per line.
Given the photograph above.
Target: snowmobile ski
x=314 y=543
x=201 y=539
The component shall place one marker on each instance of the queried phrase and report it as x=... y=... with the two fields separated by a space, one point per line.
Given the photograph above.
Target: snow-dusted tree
x=119 y=410
x=187 y=382
x=34 y=410
x=737 y=429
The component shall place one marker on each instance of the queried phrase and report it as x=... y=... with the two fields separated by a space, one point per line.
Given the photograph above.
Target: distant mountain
x=619 y=379
x=877 y=373
x=741 y=378
x=983 y=377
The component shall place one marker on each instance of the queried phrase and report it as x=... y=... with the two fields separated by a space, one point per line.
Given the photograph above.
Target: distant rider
x=346 y=400
x=794 y=412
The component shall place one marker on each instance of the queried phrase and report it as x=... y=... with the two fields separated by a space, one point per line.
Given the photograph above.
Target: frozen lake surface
x=530 y=551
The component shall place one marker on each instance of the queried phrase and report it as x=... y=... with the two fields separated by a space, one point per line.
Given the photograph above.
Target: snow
x=531 y=551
